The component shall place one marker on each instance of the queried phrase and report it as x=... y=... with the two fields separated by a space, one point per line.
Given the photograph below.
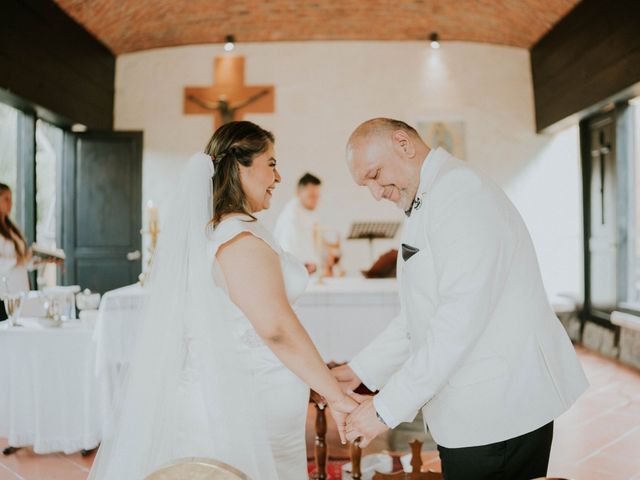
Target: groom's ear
x=403 y=142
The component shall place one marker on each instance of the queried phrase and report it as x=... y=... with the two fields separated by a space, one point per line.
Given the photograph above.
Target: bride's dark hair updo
x=232 y=144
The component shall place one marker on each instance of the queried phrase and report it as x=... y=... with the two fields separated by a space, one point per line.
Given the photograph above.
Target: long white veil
x=188 y=391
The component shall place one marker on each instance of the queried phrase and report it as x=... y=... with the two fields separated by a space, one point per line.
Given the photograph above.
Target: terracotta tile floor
x=599 y=438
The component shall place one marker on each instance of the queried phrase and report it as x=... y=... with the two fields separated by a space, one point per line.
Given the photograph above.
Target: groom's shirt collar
x=428 y=172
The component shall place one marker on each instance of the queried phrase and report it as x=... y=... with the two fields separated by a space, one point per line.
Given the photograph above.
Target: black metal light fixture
x=229 y=43
x=435 y=44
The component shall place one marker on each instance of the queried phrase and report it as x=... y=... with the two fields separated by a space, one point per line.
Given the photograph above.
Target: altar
x=342 y=315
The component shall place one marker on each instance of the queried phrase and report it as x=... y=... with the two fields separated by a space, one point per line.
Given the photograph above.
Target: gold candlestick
x=317 y=236
x=332 y=251
x=153 y=229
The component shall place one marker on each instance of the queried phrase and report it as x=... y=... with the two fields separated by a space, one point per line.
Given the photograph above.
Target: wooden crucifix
x=229 y=98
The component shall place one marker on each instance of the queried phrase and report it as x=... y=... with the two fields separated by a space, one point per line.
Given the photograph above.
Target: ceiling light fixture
x=435 y=44
x=229 y=43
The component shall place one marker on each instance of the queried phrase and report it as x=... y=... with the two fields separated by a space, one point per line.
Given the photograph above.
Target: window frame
x=25 y=196
x=626 y=159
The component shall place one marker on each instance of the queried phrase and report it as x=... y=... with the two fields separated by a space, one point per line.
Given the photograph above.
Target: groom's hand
x=346 y=377
x=339 y=410
x=363 y=421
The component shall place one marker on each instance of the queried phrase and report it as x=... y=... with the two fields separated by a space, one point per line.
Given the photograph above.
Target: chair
x=194 y=468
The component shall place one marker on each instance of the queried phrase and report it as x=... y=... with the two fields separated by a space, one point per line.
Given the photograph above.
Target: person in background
x=295 y=228
x=15 y=257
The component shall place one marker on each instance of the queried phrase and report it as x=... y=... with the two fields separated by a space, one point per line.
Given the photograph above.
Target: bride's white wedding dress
x=282 y=396
x=201 y=382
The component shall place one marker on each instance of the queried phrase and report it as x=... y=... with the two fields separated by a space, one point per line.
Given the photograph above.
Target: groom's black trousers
x=520 y=458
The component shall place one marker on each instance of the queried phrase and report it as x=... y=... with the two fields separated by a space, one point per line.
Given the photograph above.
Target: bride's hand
x=340 y=409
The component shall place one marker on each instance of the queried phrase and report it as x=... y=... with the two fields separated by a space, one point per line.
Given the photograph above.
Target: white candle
x=152 y=212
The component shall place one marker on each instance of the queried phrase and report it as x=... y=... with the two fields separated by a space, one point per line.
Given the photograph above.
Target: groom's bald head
x=386 y=155
x=379 y=128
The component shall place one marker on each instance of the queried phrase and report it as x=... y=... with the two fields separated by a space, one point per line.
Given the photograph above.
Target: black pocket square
x=408 y=251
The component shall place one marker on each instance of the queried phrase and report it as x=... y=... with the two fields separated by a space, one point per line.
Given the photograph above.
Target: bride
x=222 y=365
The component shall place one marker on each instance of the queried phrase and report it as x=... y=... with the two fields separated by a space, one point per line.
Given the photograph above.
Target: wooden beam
x=590 y=56
x=51 y=62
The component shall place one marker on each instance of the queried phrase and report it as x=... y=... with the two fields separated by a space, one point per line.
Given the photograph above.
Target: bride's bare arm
x=255 y=284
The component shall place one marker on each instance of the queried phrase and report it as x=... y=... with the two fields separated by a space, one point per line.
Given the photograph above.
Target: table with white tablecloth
x=48 y=389
x=342 y=315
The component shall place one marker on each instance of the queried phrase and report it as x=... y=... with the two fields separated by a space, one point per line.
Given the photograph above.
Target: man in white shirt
x=295 y=228
x=476 y=345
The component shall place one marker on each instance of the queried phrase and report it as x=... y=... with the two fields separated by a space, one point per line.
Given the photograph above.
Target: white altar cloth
x=342 y=315
x=48 y=389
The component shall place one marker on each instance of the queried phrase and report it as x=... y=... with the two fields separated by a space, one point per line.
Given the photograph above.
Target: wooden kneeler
x=320 y=451
x=416 y=465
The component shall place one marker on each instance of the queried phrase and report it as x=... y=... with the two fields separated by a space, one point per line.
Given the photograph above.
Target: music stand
x=373 y=231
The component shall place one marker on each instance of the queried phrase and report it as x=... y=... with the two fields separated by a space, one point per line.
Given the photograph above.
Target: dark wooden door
x=102 y=205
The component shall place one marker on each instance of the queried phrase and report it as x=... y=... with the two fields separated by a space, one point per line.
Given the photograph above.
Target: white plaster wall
x=325 y=89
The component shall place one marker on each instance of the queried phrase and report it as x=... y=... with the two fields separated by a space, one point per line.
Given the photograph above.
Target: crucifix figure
x=225 y=109
x=229 y=98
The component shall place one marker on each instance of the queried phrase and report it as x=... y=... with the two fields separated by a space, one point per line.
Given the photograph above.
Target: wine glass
x=13 y=306
x=52 y=309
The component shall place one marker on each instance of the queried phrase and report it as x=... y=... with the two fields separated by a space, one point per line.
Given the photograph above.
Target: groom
x=476 y=345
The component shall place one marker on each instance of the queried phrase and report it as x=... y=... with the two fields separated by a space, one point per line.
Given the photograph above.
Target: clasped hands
x=355 y=415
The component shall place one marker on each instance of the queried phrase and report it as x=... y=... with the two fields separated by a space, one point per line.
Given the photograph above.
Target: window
x=49 y=141
x=611 y=165
x=42 y=198
x=631 y=298
x=9 y=148
x=48 y=157
x=603 y=222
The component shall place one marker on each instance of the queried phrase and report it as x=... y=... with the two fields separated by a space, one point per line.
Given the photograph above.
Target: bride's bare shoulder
x=244 y=243
x=246 y=234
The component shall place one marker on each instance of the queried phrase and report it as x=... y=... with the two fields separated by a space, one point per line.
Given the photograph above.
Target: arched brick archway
x=132 y=25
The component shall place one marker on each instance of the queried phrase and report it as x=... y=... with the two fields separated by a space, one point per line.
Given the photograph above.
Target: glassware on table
x=87 y=300
x=4 y=290
x=52 y=310
x=61 y=302
x=13 y=306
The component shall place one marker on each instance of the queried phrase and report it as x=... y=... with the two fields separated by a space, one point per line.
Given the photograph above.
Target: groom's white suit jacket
x=476 y=344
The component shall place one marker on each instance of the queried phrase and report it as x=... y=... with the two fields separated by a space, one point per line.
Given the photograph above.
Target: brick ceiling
x=132 y=25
